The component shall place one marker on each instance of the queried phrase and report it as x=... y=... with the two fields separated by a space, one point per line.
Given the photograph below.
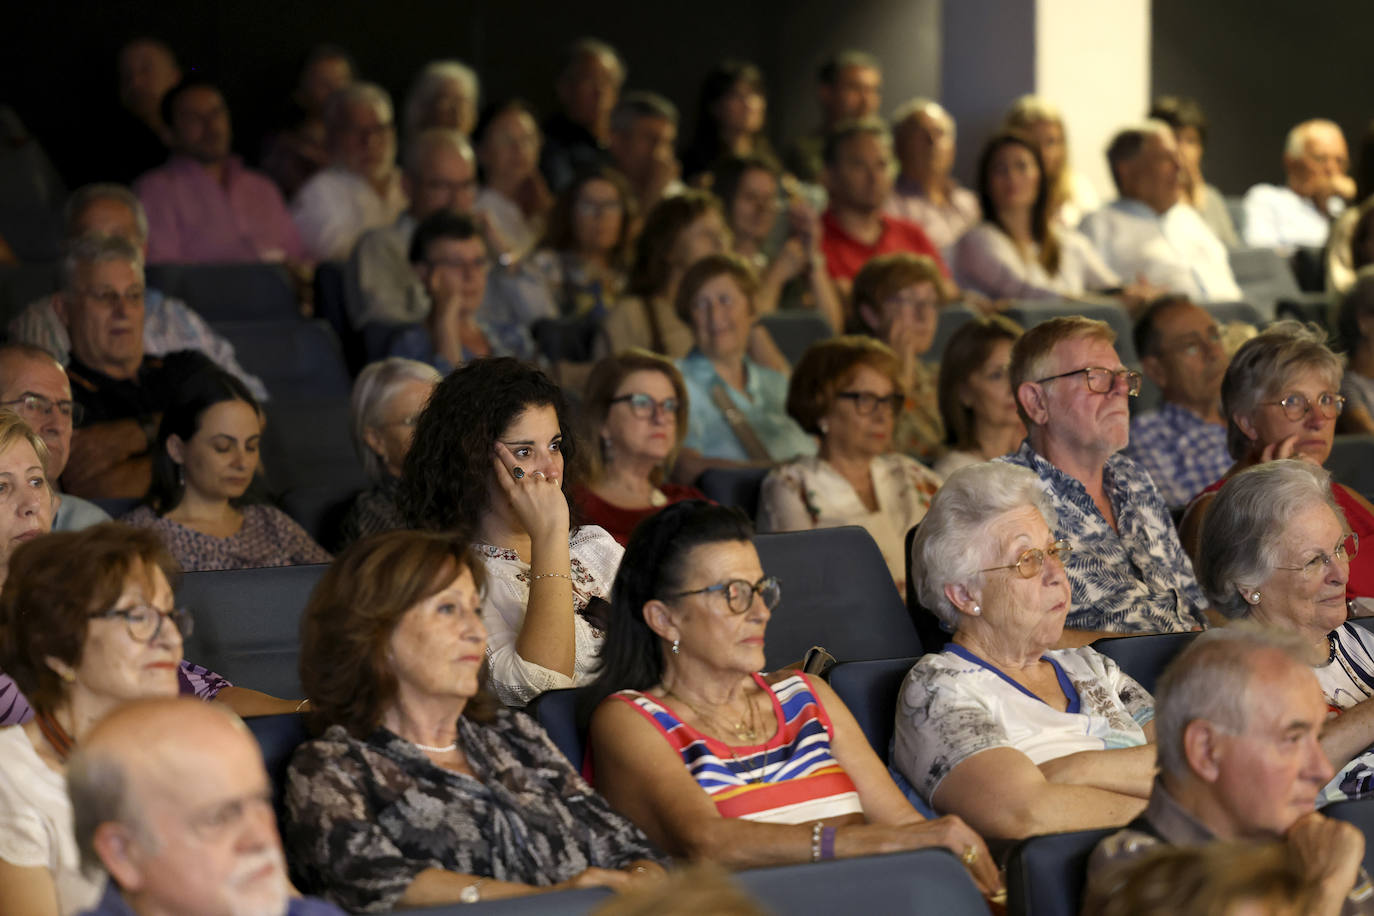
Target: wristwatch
x=472 y=893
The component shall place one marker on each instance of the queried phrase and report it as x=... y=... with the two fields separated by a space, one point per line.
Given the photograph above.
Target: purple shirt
x=193 y=218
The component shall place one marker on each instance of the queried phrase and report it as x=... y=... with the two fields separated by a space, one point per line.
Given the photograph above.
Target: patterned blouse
x=516 y=681
x=791 y=779
x=809 y=493
x=373 y=510
x=365 y=816
x=268 y=538
x=1347 y=681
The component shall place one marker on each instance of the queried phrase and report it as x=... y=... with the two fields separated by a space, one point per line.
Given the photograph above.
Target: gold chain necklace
x=746 y=730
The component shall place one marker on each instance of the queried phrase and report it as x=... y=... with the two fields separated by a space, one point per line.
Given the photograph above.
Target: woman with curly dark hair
x=489 y=463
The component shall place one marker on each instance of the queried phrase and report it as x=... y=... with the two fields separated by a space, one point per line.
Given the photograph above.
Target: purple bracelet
x=828 y=843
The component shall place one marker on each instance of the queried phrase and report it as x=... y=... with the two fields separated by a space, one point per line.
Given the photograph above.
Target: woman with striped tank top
x=714 y=760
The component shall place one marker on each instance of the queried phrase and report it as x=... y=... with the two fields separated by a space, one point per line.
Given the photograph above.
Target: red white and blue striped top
x=790 y=779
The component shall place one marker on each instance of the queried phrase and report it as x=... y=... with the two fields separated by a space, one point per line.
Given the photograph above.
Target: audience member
x=926 y=192
x=792 y=272
x=360 y=189
x=121 y=389
x=1350 y=248
x=736 y=407
x=715 y=760
x=445 y=95
x=575 y=138
x=440 y=175
x=732 y=107
x=849 y=86
x=1128 y=571
x=296 y=149
x=1239 y=717
x=847 y=391
x=204 y=205
x=1276 y=549
x=1355 y=328
x=1219 y=879
x=1147 y=234
x=896 y=299
x=86 y=622
x=1001 y=728
x=1018 y=251
x=1071 y=194
x=1280 y=399
x=858 y=176
x=514 y=199
x=635 y=409
x=1185 y=116
x=489 y=462
x=642 y=139
x=1317 y=166
x=203 y=461
x=422 y=789
x=977 y=405
x=170 y=798
x=34 y=385
x=139 y=137
x=386 y=403
x=169 y=324
x=1182 y=444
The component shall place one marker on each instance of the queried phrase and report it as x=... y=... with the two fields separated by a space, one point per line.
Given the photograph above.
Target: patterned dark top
x=373 y=511
x=365 y=817
x=268 y=538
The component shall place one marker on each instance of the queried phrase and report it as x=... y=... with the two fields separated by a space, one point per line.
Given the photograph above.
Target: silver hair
x=341 y=100
x=635 y=105
x=952 y=545
x=376 y=385
x=99 y=791
x=430 y=82
x=82 y=198
x=1210 y=680
x=419 y=147
x=95 y=248
x=913 y=107
x=1245 y=527
x=1264 y=366
x=1295 y=144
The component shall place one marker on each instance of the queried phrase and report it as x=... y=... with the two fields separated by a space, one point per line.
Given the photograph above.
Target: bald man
x=171 y=798
x=1317 y=164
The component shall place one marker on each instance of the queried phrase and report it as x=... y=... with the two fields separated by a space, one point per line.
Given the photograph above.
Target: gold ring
x=970 y=856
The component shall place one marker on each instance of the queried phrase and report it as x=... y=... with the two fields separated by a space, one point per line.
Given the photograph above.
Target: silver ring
x=517 y=472
x=539 y=474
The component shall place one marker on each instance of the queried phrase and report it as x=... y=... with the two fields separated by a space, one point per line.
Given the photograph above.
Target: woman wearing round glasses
x=847 y=392
x=635 y=410
x=86 y=623
x=1276 y=549
x=1014 y=736
x=713 y=759
x=1281 y=397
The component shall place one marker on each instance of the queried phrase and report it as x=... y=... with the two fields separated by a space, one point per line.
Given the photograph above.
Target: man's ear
x=1032 y=399
x=1203 y=749
x=119 y=851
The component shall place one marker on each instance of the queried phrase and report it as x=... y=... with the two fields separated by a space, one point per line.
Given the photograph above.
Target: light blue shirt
x=75 y=513
x=1278 y=217
x=762 y=404
x=1173 y=250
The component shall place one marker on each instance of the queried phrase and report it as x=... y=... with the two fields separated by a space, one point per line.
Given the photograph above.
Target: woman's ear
x=1247 y=426
x=964 y=600
x=659 y=617
x=64 y=670
x=373 y=440
x=176 y=448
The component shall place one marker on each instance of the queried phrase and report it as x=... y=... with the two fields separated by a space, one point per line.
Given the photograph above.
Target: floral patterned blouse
x=809 y=493
x=364 y=817
x=268 y=537
x=920 y=432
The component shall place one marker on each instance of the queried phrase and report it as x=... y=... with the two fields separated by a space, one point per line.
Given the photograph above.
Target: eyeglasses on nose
x=144 y=622
x=1296 y=406
x=1029 y=564
x=865 y=402
x=1100 y=380
x=1346 y=550
x=36 y=403
x=643 y=406
x=739 y=594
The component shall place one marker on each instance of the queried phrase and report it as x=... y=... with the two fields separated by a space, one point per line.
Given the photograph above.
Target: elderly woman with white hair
x=1276 y=549
x=444 y=94
x=1000 y=728
x=387 y=399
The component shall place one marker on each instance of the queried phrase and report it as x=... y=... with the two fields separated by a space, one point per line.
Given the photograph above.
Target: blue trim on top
x=1066 y=685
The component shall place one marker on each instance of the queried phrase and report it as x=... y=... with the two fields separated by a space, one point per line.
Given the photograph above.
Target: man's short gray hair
x=1295 y=144
x=833 y=66
x=952 y=544
x=1128 y=143
x=1265 y=365
x=583 y=48
x=912 y=107
x=99 y=791
x=376 y=385
x=1246 y=525
x=95 y=248
x=83 y=197
x=430 y=83
x=1210 y=680
x=419 y=147
x=337 y=106
x=639 y=104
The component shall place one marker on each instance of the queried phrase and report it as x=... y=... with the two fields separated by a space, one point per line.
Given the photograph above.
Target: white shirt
x=509 y=221
x=1174 y=250
x=987 y=260
x=1278 y=217
x=36 y=823
x=516 y=681
x=336 y=206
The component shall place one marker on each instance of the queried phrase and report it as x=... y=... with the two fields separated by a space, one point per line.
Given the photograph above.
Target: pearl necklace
x=435 y=750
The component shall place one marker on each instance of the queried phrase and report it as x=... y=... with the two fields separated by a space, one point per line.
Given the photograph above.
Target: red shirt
x=845 y=255
x=620 y=522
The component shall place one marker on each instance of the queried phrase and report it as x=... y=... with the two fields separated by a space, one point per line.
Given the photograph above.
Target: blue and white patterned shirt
x=1135 y=579
x=1183 y=453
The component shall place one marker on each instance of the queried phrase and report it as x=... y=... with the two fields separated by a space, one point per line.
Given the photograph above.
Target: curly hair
x=447 y=483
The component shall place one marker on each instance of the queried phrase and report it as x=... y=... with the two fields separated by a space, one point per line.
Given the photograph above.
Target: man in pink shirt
x=203 y=205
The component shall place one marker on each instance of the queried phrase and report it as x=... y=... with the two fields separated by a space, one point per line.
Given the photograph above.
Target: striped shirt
x=1348 y=681
x=790 y=779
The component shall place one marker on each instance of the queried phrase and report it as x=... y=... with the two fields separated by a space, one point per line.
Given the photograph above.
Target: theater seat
x=229 y=292
x=247 y=623
x=1225 y=312
x=836 y=593
x=1030 y=312
x=329 y=307
x=1352 y=463
x=309 y=443
x=951 y=318
x=734 y=487
x=1045 y=874
x=925 y=882
x=869 y=689
x=1145 y=657
x=1267 y=282
x=933 y=635
x=1359 y=812
x=794 y=330
x=278 y=737
x=556 y=710
x=558 y=903
x=21 y=284
x=295 y=359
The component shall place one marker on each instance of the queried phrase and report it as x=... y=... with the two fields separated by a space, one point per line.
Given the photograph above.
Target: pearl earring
x=976 y=610
x=676 y=643
x=1255 y=597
